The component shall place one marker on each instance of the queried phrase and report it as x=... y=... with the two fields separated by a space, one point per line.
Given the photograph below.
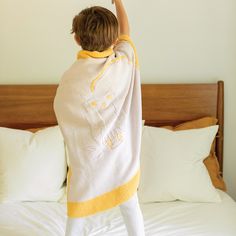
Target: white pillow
x=32 y=165
x=172 y=165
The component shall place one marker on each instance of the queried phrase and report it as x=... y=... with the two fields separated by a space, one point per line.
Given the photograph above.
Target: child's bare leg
x=133 y=217
x=75 y=227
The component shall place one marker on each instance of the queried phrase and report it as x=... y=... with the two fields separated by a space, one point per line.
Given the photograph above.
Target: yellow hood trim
x=94 y=54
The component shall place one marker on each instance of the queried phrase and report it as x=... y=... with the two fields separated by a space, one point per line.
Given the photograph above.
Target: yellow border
x=105 y=201
x=95 y=54
x=125 y=37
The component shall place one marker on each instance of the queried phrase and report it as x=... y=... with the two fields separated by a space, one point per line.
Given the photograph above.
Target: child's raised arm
x=122 y=17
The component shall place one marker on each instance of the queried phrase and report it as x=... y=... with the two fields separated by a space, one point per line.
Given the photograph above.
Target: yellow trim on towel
x=92 y=85
x=95 y=54
x=125 y=37
x=105 y=201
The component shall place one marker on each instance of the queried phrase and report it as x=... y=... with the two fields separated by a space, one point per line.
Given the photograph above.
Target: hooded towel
x=98 y=110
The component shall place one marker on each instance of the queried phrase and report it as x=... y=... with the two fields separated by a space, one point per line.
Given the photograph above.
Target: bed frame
x=31 y=106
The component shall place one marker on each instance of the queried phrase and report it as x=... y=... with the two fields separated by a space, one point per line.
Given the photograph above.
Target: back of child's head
x=96 y=28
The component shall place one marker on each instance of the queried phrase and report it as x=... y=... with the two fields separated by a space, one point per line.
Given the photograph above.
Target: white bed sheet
x=161 y=219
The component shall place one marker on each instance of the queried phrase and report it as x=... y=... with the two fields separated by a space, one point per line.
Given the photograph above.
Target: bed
x=31 y=106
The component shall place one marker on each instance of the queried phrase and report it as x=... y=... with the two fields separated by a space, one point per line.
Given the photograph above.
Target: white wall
x=177 y=41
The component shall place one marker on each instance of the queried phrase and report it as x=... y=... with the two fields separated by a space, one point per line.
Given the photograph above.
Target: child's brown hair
x=96 y=28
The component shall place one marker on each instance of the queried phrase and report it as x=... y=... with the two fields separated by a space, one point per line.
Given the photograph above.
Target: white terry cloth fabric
x=161 y=219
x=130 y=211
x=98 y=107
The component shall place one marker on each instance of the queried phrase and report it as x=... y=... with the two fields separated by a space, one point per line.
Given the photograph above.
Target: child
x=98 y=109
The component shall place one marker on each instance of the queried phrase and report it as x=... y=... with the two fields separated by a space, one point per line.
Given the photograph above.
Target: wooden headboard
x=31 y=106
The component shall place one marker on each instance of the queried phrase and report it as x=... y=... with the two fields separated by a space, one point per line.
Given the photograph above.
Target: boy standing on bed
x=98 y=109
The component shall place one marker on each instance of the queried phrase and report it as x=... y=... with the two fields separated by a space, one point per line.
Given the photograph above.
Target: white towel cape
x=98 y=109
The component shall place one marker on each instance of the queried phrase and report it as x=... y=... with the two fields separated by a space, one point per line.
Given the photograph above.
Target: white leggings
x=130 y=211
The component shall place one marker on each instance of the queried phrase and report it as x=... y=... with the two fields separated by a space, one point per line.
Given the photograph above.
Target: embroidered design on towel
x=93 y=145
x=106 y=120
x=114 y=138
x=116 y=134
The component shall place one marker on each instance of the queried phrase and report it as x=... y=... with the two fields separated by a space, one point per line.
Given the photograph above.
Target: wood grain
x=27 y=106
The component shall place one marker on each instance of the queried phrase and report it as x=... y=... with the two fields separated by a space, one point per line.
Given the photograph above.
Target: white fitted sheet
x=161 y=219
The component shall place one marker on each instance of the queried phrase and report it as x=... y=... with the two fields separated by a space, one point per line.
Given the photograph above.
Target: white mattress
x=161 y=219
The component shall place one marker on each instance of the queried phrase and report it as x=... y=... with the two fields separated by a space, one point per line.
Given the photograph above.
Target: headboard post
x=220 y=117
